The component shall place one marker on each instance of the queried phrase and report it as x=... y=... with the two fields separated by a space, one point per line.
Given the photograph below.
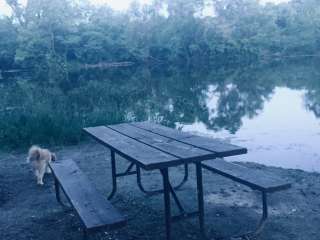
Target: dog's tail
x=53 y=157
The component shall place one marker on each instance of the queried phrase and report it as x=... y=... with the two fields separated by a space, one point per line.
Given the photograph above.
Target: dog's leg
x=48 y=170
x=37 y=174
x=42 y=171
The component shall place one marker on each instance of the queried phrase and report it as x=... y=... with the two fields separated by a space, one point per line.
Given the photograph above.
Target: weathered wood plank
x=162 y=130
x=145 y=156
x=222 y=149
x=254 y=178
x=93 y=209
x=162 y=143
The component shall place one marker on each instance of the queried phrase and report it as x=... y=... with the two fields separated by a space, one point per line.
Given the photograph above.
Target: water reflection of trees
x=304 y=75
x=183 y=97
x=312 y=102
x=32 y=112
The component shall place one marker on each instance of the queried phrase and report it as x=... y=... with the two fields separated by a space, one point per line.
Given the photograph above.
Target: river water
x=272 y=109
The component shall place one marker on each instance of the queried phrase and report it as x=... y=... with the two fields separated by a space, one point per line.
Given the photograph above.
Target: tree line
x=54 y=38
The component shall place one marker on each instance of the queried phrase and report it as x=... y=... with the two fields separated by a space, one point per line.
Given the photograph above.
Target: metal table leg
x=200 y=196
x=167 y=206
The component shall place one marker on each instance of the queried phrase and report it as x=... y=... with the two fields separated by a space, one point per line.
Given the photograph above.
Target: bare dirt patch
x=31 y=212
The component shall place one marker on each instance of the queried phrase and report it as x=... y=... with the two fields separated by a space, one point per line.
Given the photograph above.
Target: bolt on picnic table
x=154 y=147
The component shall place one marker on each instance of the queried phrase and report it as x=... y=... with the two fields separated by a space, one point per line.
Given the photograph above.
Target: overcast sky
x=116 y=4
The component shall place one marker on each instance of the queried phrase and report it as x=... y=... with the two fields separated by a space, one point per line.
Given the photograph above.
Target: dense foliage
x=182 y=56
x=54 y=36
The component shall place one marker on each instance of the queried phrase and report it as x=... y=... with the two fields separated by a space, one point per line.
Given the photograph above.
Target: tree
x=8 y=43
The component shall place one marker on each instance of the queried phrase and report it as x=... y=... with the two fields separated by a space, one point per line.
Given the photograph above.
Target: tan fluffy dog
x=39 y=159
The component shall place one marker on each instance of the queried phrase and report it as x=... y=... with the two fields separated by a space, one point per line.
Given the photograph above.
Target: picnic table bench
x=150 y=146
x=94 y=211
x=253 y=178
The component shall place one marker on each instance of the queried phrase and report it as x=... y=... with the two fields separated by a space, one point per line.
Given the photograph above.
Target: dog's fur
x=39 y=159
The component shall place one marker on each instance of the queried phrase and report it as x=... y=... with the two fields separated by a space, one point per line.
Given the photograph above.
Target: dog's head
x=33 y=154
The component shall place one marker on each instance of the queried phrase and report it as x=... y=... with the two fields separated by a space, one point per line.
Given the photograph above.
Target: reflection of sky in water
x=283 y=134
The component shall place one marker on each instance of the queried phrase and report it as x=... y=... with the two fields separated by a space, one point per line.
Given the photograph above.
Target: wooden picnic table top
x=153 y=146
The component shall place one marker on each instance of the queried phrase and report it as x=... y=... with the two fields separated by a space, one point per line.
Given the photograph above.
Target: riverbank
x=29 y=211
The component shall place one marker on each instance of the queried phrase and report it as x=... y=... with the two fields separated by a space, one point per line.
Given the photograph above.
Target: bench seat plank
x=222 y=149
x=143 y=155
x=254 y=178
x=162 y=143
x=94 y=210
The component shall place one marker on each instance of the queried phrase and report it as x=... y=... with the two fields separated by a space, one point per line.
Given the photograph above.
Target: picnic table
x=150 y=146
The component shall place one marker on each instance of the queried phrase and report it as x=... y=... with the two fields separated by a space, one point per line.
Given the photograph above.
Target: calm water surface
x=272 y=109
x=284 y=133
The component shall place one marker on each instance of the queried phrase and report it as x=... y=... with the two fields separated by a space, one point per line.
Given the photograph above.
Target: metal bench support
x=58 y=197
x=58 y=194
x=85 y=234
x=114 y=175
x=152 y=192
x=130 y=171
x=255 y=234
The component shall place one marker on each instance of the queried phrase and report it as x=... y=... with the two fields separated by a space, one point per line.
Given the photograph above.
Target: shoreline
x=31 y=212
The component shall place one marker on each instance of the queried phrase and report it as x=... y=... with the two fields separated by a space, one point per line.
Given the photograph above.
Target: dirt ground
x=28 y=211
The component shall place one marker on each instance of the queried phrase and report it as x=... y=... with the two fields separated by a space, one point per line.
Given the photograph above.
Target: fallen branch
x=108 y=65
